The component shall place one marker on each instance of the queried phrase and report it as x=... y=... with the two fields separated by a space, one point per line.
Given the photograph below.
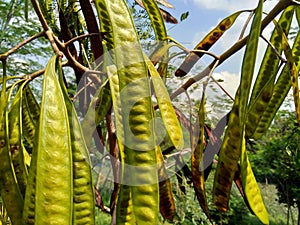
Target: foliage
x=123 y=117
x=279 y=151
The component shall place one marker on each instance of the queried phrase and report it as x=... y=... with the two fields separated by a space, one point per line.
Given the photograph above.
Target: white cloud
x=226 y=5
x=230 y=81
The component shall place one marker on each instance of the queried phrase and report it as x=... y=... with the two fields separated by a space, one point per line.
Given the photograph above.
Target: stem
x=92 y=26
x=45 y=26
x=18 y=46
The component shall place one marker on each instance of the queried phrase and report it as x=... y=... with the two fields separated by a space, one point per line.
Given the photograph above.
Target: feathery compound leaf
x=251 y=188
x=167 y=112
x=264 y=84
x=197 y=162
x=209 y=40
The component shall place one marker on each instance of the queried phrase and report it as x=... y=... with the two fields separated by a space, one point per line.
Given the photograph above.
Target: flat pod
x=51 y=171
x=251 y=188
x=16 y=146
x=83 y=190
x=9 y=189
x=264 y=83
x=166 y=200
x=166 y=108
x=197 y=161
x=206 y=43
x=281 y=89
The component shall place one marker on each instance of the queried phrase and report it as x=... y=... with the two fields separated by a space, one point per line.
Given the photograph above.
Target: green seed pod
x=49 y=196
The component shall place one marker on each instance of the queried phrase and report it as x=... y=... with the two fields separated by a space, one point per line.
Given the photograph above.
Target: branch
x=45 y=26
x=93 y=27
x=81 y=37
x=14 y=49
x=281 y=5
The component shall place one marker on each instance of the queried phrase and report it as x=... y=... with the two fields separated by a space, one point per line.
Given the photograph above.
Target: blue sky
x=203 y=16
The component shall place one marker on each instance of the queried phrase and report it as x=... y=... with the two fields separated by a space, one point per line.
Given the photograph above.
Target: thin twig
x=21 y=44
x=45 y=26
x=273 y=48
x=246 y=24
x=222 y=88
x=80 y=37
x=81 y=90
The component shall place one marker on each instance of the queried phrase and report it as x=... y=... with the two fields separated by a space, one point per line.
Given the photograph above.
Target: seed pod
x=251 y=188
x=137 y=114
x=9 y=189
x=197 y=162
x=166 y=109
x=16 y=146
x=281 y=89
x=49 y=197
x=264 y=83
x=205 y=44
x=166 y=200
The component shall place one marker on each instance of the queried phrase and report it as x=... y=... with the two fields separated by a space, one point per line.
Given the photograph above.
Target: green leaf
x=184 y=16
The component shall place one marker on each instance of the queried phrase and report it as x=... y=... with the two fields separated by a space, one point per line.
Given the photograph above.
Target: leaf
x=251 y=188
x=209 y=40
x=184 y=16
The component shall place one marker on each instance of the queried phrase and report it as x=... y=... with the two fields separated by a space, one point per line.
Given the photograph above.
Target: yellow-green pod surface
x=137 y=112
x=228 y=159
x=281 y=89
x=50 y=197
x=197 y=161
x=9 y=189
x=16 y=146
x=30 y=115
x=167 y=112
x=83 y=190
x=251 y=188
x=264 y=83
